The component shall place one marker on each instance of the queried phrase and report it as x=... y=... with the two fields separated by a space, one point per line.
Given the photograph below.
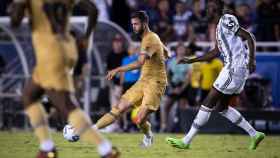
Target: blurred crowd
x=183 y=20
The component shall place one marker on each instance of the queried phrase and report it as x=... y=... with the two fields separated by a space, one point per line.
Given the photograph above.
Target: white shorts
x=231 y=81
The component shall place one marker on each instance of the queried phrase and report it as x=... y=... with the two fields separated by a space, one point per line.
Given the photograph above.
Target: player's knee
x=123 y=106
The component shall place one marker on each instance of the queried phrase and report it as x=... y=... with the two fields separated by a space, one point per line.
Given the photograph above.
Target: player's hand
x=252 y=66
x=111 y=74
x=185 y=60
x=167 y=53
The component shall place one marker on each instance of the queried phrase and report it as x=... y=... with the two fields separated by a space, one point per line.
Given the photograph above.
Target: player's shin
x=235 y=117
x=145 y=127
x=201 y=119
x=108 y=118
x=39 y=122
x=82 y=124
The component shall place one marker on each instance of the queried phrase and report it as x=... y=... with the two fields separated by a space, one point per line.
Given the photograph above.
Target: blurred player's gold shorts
x=55 y=63
x=145 y=93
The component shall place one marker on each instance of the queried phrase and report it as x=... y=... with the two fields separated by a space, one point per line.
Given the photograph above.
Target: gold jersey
x=154 y=66
x=54 y=47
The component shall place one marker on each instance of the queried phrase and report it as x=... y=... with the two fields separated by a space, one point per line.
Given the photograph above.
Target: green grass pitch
x=24 y=145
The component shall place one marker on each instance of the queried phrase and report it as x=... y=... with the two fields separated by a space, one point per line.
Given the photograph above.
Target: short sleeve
x=230 y=23
x=150 y=45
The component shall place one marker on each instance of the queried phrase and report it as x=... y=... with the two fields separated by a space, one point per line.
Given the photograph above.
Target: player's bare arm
x=167 y=53
x=135 y=65
x=92 y=11
x=16 y=12
x=57 y=13
x=205 y=57
x=252 y=47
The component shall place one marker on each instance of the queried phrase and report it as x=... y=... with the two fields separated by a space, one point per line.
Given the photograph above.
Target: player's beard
x=138 y=35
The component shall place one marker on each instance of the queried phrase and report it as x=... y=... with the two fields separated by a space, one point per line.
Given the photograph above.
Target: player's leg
x=114 y=114
x=200 y=120
x=152 y=93
x=203 y=115
x=67 y=105
x=32 y=93
x=144 y=125
x=132 y=95
x=235 y=117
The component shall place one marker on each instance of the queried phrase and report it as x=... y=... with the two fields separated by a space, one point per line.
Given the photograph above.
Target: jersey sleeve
x=150 y=46
x=230 y=23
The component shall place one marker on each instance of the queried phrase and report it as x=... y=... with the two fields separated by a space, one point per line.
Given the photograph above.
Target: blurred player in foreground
x=56 y=55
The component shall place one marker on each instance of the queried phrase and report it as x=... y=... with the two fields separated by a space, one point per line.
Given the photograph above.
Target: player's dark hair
x=142 y=15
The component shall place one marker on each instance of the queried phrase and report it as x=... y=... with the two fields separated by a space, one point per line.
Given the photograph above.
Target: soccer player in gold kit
x=56 y=54
x=146 y=93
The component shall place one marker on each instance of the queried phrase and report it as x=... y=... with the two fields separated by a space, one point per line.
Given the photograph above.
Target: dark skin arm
x=16 y=11
x=206 y=57
x=252 y=47
x=135 y=65
x=92 y=11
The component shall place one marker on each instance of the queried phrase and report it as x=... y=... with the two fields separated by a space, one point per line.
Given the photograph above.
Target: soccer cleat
x=147 y=141
x=50 y=154
x=115 y=153
x=256 y=140
x=177 y=143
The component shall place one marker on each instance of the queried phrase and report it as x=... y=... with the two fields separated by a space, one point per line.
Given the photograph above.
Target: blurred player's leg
x=165 y=113
x=68 y=106
x=38 y=117
x=113 y=115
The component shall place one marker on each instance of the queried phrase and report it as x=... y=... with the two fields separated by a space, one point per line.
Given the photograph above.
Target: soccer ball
x=69 y=133
x=133 y=115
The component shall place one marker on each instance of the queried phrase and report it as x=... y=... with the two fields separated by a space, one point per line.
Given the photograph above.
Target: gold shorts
x=55 y=62
x=145 y=93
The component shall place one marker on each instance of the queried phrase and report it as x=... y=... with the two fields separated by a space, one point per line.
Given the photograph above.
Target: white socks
x=235 y=117
x=104 y=148
x=203 y=116
x=201 y=119
x=47 y=145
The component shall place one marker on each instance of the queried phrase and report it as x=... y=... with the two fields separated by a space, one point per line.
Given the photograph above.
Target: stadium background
x=176 y=22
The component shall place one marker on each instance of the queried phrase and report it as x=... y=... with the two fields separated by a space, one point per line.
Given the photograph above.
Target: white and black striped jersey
x=230 y=45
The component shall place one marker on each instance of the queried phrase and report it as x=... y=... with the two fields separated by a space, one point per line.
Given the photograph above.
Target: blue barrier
x=268 y=66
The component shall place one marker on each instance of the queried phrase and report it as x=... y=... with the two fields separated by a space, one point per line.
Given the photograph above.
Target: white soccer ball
x=69 y=133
